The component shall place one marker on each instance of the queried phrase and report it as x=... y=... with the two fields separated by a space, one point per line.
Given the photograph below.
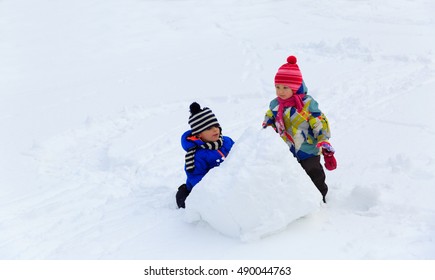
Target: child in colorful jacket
x=205 y=148
x=296 y=117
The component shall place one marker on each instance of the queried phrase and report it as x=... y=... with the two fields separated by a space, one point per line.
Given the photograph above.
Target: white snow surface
x=94 y=97
x=249 y=207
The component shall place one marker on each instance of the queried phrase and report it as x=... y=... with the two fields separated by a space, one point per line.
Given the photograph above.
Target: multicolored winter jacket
x=305 y=129
x=204 y=159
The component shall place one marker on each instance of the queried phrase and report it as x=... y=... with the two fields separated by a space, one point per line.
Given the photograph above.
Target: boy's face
x=210 y=135
x=283 y=92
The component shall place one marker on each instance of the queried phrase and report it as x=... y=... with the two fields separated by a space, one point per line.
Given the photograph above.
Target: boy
x=205 y=148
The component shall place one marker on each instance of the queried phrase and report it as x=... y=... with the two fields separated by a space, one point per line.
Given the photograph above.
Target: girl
x=297 y=119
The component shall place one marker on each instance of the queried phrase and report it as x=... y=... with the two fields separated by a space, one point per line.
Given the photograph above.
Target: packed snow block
x=259 y=189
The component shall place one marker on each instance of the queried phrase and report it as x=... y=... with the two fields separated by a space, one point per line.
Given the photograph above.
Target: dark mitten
x=181 y=196
x=330 y=161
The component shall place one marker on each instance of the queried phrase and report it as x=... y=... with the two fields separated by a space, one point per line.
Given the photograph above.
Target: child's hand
x=328 y=155
x=264 y=125
x=330 y=161
x=325 y=146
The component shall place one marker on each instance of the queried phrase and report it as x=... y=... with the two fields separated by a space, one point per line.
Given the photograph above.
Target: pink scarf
x=294 y=101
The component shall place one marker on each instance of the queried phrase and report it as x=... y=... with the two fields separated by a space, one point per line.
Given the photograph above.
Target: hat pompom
x=292 y=59
x=201 y=119
x=195 y=108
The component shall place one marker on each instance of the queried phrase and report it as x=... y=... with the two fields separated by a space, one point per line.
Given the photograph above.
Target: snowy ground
x=94 y=97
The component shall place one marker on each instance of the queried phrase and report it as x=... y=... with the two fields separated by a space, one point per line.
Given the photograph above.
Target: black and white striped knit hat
x=201 y=119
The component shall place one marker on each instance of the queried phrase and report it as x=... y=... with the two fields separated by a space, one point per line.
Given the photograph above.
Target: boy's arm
x=197 y=174
x=192 y=179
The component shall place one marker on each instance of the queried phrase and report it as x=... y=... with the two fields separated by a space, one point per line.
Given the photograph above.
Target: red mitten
x=330 y=162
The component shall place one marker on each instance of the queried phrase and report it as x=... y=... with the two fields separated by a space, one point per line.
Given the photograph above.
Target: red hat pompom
x=292 y=59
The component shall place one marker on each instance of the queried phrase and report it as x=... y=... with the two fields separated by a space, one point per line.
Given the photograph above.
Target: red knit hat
x=290 y=75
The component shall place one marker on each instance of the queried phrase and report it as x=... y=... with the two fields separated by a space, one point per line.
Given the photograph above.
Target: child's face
x=210 y=135
x=283 y=92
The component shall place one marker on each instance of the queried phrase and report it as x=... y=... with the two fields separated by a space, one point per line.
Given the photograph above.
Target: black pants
x=181 y=196
x=315 y=170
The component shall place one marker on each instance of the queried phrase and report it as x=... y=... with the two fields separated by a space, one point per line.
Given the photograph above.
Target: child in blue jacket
x=205 y=148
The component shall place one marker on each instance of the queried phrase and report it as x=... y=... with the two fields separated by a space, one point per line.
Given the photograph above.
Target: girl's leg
x=315 y=170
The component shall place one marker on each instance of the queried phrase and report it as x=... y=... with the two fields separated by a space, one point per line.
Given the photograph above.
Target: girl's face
x=210 y=135
x=283 y=92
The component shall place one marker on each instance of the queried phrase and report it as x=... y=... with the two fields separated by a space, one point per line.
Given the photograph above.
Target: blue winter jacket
x=204 y=159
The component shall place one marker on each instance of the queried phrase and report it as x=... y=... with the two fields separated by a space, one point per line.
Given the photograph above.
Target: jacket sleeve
x=197 y=174
x=269 y=119
x=318 y=122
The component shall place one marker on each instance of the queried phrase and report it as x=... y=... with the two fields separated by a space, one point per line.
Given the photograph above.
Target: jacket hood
x=188 y=144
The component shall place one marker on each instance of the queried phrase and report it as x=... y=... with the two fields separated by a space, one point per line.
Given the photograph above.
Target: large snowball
x=258 y=190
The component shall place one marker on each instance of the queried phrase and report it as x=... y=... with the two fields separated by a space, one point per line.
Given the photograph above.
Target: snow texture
x=95 y=95
x=256 y=191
